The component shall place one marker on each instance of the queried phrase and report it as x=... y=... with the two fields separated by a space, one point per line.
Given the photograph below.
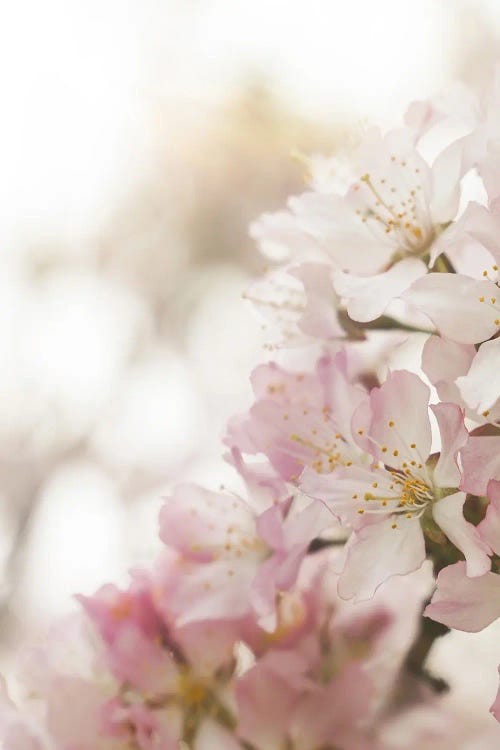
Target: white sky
x=79 y=79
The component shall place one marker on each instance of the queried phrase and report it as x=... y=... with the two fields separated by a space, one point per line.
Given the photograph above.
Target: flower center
x=394 y=208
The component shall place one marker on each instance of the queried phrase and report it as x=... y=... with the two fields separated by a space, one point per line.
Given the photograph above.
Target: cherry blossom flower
x=129 y=679
x=300 y=419
x=379 y=234
x=404 y=495
x=298 y=304
x=231 y=561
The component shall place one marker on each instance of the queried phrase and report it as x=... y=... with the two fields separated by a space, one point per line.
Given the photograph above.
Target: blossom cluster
x=292 y=617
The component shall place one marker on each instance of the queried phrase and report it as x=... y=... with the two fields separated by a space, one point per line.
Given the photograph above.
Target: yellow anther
x=391 y=423
x=395 y=453
x=394 y=526
x=413 y=445
x=481 y=299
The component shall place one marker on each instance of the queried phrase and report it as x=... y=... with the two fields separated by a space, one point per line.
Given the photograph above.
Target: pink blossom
x=402 y=490
x=296 y=414
x=276 y=704
x=395 y=208
x=231 y=561
x=377 y=234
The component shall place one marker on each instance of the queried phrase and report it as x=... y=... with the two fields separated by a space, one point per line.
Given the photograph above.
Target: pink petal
x=319 y=318
x=443 y=361
x=489 y=528
x=197 y=522
x=211 y=591
x=378 y=552
x=341 y=395
x=454 y=435
x=480 y=387
x=368 y=296
x=326 y=715
x=396 y=419
x=342 y=493
x=448 y=514
x=465 y=603
x=453 y=304
x=266 y=700
x=480 y=463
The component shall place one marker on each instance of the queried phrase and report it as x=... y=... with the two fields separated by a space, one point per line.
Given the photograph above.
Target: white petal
x=480 y=388
x=448 y=514
x=369 y=296
x=453 y=303
x=378 y=552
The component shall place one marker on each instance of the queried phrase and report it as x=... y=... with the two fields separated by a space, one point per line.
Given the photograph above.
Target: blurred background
x=138 y=138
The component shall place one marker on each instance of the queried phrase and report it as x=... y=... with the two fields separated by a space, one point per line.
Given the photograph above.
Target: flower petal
x=480 y=463
x=489 y=528
x=369 y=296
x=480 y=387
x=396 y=420
x=443 y=361
x=378 y=552
x=454 y=435
x=464 y=603
x=448 y=514
x=453 y=303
